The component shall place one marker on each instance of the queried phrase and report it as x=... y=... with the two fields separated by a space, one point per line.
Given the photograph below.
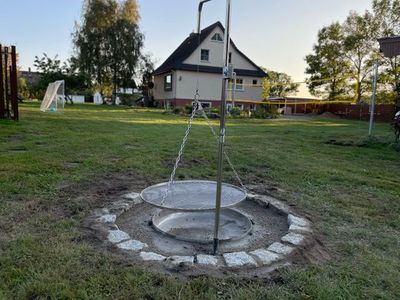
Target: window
x=168 y=82
x=239 y=84
x=217 y=37
x=205 y=55
x=255 y=81
x=230 y=57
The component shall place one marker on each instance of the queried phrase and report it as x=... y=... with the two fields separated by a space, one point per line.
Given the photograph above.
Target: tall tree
x=108 y=43
x=387 y=19
x=358 y=43
x=278 y=84
x=328 y=67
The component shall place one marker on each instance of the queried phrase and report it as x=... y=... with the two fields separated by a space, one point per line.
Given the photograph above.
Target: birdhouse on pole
x=390 y=46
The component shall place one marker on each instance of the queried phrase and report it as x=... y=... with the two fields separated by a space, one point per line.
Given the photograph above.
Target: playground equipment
x=54 y=98
x=8 y=83
x=199 y=210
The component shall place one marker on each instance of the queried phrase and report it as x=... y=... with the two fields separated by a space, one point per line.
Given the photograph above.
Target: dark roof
x=390 y=46
x=176 y=59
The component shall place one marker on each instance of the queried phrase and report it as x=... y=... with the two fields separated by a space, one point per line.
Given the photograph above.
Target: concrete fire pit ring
x=141 y=243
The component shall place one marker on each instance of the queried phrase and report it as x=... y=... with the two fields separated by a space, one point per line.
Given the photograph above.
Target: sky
x=276 y=34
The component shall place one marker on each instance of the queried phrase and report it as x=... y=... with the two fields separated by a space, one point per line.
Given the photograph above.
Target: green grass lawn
x=48 y=160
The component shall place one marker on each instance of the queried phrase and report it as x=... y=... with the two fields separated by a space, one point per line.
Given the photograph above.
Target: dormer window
x=205 y=55
x=217 y=37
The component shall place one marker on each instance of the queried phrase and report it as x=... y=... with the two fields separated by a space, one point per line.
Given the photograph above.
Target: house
x=175 y=80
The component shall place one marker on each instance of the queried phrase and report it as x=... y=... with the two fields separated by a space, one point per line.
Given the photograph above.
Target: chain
x=184 y=141
x=225 y=154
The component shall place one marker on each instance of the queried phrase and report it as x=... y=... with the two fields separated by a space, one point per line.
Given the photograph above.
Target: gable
x=216 y=50
x=187 y=55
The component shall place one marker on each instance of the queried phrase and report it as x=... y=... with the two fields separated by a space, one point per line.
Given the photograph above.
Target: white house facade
x=176 y=79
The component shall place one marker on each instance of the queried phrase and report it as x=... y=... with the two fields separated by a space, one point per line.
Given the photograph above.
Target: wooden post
x=2 y=99
x=14 y=83
x=5 y=70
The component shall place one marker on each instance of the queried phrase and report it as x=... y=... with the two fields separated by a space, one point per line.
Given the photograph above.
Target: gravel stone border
x=103 y=221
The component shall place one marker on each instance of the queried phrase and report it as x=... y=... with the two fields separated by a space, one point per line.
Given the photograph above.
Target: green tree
x=108 y=43
x=358 y=43
x=328 y=67
x=52 y=69
x=278 y=84
x=23 y=88
x=387 y=19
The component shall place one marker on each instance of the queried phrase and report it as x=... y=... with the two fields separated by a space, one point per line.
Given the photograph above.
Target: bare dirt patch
x=103 y=191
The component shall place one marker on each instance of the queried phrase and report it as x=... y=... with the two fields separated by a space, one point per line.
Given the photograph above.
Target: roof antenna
x=199 y=14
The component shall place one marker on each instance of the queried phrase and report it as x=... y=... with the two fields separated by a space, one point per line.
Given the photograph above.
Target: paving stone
x=116 y=236
x=252 y=196
x=135 y=197
x=239 y=259
x=265 y=257
x=293 y=238
x=179 y=262
x=132 y=245
x=207 y=260
x=280 y=248
x=298 y=221
x=119 y=205
x=109 y=218
x=151 y=256
x=296 y=228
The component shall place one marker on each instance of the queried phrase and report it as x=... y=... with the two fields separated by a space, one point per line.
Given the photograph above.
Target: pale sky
x=276 y=34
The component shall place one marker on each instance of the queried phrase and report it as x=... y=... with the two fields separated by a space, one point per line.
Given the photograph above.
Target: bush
x=188 y=109
x=266 y=112
x=214 y=110
x=178 y=111
x=129 y=100
x=235 y=112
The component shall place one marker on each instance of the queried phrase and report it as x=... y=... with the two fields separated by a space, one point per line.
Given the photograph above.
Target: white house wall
x=159 y=92
x=210 y=87
x=216 y=54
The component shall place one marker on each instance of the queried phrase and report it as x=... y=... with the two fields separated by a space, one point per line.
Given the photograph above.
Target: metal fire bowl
x=199 y=226
x=192 y=195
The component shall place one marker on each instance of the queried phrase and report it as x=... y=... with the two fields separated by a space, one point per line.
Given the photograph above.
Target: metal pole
x=372 y=106
x=225 y=78
x=285 y=106
x=234 y=89
x=199 y=14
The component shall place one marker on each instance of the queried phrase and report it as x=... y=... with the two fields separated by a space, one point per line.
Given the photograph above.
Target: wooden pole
x=14 y=83
x=7 y=108
x=2 y=99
